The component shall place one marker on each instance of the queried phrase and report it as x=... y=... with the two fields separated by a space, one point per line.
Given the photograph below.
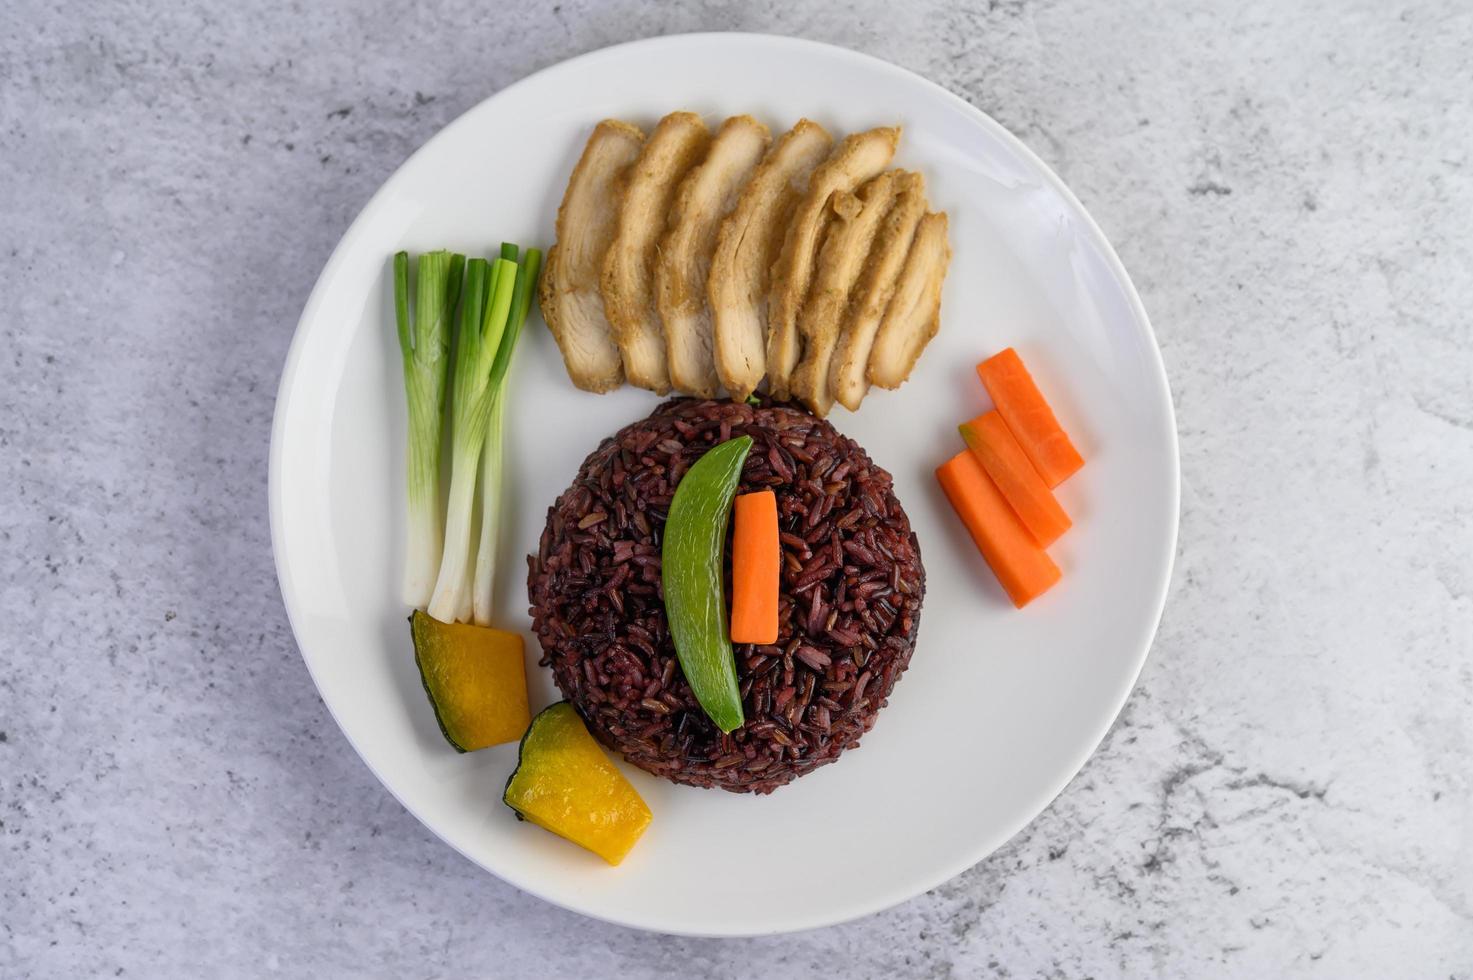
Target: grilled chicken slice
x=677 y=144
x=684 y=259
x=914 y=313
x=848 y=371
x=748 y=244
x=850 y=237
x=857 y=159
x=569 y=292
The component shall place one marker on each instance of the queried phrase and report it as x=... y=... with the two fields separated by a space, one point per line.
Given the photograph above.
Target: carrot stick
x=1023 y=568
x=756 y=561
x=993 y=444
x=1023 y=408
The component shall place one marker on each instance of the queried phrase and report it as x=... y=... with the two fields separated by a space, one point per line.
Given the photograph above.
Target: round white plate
x=999 y=709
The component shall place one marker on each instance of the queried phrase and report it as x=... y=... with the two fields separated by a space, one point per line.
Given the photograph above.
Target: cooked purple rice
x=852 y=585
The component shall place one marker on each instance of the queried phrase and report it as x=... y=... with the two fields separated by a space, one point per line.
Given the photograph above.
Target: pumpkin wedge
x=476 y=679
x=566 y=784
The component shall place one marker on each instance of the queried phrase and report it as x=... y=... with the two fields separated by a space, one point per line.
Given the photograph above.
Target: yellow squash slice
x=566 y=784
x=476 y=679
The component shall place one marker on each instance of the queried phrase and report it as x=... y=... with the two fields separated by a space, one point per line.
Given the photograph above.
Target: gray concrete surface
x=1288 y=793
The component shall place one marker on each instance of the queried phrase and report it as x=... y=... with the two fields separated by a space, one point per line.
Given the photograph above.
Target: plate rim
x=356 y=229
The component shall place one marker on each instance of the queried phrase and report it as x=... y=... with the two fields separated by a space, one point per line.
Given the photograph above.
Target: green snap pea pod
x=690 y=571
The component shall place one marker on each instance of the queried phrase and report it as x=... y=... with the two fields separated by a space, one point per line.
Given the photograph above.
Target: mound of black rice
x=852 y=585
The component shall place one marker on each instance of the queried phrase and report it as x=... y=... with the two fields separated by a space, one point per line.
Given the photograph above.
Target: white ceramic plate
x=999 y=708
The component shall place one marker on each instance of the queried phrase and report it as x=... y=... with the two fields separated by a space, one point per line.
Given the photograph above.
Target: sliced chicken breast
x=857 y=159
x=914 y=313
x=850 y=237
x=677 y=145
x=747 y=245
x=683 y=262
x=848 y=371
x=569 y=285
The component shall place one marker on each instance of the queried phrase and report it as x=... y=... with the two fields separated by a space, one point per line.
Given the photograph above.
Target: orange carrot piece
x=1023 y=568
x=1022 y=406
x=756 y=562
x=990 y=439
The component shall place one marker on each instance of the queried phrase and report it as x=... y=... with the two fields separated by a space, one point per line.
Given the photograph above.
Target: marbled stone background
x=1288 y=793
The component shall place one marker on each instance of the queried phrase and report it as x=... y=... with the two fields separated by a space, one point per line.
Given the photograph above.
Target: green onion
x=484 y=316
x=484 y=587
x=424 y=346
